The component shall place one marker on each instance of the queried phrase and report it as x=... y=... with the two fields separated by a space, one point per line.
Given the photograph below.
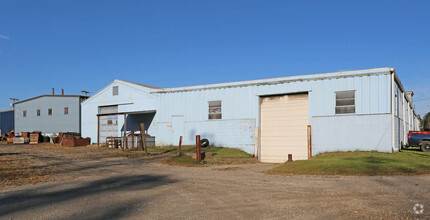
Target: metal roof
x=138 y=84
x=272 y=81
x=50 y=96
x=9 y=110
x=128 y=113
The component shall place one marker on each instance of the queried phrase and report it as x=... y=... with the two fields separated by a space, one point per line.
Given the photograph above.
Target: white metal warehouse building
x=346 y=111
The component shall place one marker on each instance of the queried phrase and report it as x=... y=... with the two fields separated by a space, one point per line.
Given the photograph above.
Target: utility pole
x=13 y=101
x=85 y=92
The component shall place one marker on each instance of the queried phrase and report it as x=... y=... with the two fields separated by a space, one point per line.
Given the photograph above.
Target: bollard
x=198 y=149
x=290 y=158
x=179 y=147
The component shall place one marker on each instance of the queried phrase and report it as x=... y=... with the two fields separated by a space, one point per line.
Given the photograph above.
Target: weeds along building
x=49 y=114
x=270 y=118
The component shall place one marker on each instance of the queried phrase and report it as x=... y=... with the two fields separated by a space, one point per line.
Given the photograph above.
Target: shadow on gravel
x=24 y=200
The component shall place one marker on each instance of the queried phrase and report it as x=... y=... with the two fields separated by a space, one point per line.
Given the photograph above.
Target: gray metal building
x=49 y=114
x=6 y=121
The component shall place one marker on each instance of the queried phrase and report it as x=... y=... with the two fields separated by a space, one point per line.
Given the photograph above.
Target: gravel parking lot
x=88 y=184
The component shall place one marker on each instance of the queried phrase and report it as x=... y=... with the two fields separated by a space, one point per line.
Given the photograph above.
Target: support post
x=198 y=149
x=144 y=141
x=98 y=131
x=124 y=145
x=179 y=147
x=309 y=142
x=142 y=133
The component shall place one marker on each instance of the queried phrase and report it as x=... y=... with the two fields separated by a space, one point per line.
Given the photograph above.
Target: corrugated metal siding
x=6 y=121
x=130 y=98
x=372 y=97
x=57 y=122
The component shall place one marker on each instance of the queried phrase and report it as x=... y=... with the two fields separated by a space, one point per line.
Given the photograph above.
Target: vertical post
x=98 y=131
x=144 y=141
x=309 y=141
x=142 y=133
x=290 y=158
x=179 y=147
x=124 y=145
x=198 y=149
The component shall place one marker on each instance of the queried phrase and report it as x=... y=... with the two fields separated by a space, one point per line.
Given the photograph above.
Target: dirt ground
x=80 y=183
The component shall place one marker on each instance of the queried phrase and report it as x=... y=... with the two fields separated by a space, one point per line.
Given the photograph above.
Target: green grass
x=406 y=162
x=218 y=154
x=223 y=152
x=182 y=160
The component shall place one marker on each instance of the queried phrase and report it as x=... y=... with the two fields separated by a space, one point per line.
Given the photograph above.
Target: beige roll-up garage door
x=284 y=121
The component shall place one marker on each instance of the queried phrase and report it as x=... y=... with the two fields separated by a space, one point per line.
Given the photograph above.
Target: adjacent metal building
x=270 y=118
x=49 y=114
x=6 y=121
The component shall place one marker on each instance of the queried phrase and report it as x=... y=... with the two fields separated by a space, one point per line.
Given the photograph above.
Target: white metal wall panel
x=284 y=121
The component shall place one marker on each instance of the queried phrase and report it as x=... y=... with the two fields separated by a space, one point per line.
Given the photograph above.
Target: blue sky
x=78 y=45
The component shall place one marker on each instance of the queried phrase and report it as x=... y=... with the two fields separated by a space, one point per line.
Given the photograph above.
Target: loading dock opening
x=135 y=119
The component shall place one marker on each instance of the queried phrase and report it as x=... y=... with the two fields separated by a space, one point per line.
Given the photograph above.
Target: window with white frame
x=215 y=110
x=345 y=102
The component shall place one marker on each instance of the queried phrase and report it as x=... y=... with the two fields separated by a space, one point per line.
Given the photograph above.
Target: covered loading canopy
x=133 y=113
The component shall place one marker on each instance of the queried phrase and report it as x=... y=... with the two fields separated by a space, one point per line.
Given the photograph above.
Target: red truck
x=420 y=139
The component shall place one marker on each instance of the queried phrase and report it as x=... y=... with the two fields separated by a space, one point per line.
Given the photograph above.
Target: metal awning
x=128 y=113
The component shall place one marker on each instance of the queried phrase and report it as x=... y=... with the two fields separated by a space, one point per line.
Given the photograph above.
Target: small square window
x=66 y=110
x=49 y=111
x=215 y=110
x=24 y=113
x=345 y=102
x=38 y=112
x=115 y=90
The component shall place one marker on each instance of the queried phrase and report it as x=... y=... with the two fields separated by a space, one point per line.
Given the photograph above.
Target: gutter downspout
x=392 y=113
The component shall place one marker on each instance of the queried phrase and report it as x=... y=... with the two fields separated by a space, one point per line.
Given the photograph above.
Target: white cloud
x=4 y=37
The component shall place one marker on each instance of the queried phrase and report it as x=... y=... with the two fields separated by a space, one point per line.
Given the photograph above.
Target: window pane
x=342 y=102
x=345 y=95
x=66 y=110
x=345 y=109
x=215 y=116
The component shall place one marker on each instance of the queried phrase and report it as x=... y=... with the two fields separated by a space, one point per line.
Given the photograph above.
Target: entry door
x=284 y=121
x=177 y=127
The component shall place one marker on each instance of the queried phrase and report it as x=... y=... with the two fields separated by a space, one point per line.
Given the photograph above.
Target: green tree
x=425 y=122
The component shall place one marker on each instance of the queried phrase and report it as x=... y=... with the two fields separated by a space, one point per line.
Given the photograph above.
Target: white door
x=284 y=121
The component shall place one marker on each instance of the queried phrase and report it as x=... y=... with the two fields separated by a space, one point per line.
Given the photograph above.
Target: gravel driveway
x=90 y=185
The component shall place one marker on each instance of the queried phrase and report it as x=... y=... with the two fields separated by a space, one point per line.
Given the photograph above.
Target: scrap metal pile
x=64 y=138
